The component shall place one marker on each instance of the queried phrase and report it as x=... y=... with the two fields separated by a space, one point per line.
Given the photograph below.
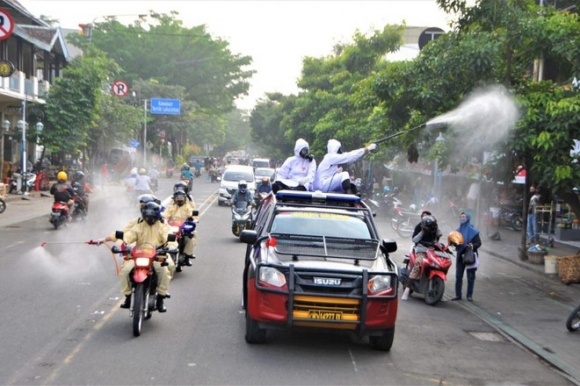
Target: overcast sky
x=276 y=34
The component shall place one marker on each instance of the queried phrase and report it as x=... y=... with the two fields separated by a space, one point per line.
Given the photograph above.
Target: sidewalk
x=21 y=208
x=507 y=248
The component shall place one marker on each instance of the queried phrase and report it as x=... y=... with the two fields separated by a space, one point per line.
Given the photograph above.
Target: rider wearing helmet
x=145 y=229
x=142 y=182
x=427 y=236
x=265 y=186
x=242 y=194
x=63 y=192
x=183 y=187
x=181 y=209
x=82 y=189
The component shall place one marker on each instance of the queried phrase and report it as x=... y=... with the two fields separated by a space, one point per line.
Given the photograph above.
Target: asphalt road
x=61 y=323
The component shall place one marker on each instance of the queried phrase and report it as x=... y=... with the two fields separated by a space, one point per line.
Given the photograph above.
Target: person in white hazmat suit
x=298 y=171
x=330 y=177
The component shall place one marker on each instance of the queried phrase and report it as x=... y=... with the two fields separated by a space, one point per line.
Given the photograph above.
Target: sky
x=277 y=34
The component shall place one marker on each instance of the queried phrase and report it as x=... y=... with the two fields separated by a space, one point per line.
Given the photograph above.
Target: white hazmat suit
x=297 y=168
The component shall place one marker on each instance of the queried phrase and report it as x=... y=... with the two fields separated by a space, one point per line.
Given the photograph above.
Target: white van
x=261 y=163
x=230 y=178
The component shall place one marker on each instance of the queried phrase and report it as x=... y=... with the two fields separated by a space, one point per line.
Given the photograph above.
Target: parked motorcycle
x=16 y=182
x=573 y=321
x=434 y=269
x=182 y=230
x=511 y=216
x=143 y=277
x=241 y=217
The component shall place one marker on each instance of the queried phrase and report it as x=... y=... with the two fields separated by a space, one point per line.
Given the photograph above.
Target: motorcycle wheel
x=2 y=206
x=573 y=322
x=138 y=306
x=517 y=223
x=405 y=228
x=236 y=230
x=433 y=297
x=394 y=223
x=383 y=342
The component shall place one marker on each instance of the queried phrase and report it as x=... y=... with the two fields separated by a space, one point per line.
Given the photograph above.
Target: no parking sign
x=6 y=24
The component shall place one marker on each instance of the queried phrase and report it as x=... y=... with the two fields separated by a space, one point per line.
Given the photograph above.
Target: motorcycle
x=143 y=277
x=573 y=321
x=213 y=174
x=58 y=214
x=154 y=184
x=241 y=217
x=197 y=172
x=182 y=230
x=2 y=205
x=511 y=216
x=169 y=171
x=434 y=268
x=259 y=197
x=16 y=182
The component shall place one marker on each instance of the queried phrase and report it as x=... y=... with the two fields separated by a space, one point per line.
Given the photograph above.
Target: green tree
x=73 y=104
x=164 y=49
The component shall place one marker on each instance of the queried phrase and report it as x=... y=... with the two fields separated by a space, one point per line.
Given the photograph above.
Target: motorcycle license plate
x=324 y=315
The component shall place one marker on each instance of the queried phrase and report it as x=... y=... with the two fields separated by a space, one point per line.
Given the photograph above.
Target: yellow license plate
x=324 y=315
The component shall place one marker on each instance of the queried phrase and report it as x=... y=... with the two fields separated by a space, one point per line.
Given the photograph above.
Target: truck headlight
x=272 y=276
x=379 y=283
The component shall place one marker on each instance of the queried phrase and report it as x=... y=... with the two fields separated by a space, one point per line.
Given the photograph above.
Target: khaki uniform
x=139 y=232
x=175 y=212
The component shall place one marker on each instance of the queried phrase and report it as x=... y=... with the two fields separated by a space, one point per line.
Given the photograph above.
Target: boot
x=406 y=294
x=127 y=303
x=160 y=305
x=186 y=261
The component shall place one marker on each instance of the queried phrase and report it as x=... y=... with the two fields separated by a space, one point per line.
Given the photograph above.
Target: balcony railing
x=19 y=87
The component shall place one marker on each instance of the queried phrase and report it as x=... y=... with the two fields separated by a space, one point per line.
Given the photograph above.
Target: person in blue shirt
x=265 y=186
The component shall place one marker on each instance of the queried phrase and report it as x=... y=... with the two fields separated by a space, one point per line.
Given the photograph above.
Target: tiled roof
x=43 y=34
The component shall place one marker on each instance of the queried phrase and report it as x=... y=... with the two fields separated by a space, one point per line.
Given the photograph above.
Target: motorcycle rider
x=419 y=226
x=183 y=187
x=142 y=182
x=242 y=194
x=63 y=192
x=181 y=209
x=301 y=168
x=82 y=189
x=154 y=176
x=149 y=228
x=427 y=236
x=265 y=186
x=329 y=176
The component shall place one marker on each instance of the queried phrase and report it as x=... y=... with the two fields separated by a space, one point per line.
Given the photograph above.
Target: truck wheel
x=254 y=334
x=383 y=342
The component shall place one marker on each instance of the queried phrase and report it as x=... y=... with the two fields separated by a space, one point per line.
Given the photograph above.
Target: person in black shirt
x=63 y=192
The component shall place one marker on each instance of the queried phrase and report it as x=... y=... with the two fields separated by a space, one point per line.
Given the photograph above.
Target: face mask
x=462 y=220
x=304 y=153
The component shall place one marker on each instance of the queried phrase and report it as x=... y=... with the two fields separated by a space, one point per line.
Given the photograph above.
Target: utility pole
x=144 y=132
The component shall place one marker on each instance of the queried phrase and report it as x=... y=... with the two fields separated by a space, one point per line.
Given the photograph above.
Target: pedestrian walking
x=471 y=240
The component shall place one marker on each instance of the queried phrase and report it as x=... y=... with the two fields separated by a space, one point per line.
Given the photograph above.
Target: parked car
x=315 y=261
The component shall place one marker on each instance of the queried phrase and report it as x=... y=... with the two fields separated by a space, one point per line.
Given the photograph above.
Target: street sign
x=120 y=88
x=165 y=106
x=428 y=35
x=134 y=143
x=6 y=24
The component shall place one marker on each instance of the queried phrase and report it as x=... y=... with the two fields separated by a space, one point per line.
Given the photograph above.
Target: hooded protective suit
x=297 y=168
x=329 y=176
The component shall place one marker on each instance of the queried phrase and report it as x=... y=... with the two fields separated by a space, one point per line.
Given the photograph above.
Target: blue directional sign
x=165 y=106
x=134 y=143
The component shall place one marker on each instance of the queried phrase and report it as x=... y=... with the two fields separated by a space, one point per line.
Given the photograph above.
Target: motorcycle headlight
x=272 y=276
x=379 y=283
x=142 y=262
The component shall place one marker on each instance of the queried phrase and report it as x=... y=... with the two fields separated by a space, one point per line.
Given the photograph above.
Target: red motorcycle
x=143 y=277
x=59 y=214
x=434 y=269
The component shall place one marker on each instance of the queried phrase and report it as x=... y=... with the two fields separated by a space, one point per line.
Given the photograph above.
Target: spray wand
x=399 y=133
